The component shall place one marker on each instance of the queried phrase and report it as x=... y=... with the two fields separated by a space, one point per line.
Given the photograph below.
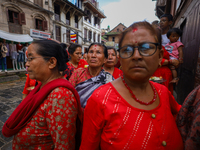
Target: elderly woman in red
x=109 y=66
x=132 y=112
x=86 y=80
x=46 y=118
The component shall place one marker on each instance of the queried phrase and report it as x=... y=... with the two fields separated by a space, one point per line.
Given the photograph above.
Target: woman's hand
x=180 y=60
x=174 y=62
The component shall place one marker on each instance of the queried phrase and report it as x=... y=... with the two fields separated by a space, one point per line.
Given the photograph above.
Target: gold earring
x=160 y=64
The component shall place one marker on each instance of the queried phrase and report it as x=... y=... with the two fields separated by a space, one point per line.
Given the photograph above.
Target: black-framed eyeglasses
x=145 y=49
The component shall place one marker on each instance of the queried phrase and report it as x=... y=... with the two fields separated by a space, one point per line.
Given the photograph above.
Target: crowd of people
x=104 y=99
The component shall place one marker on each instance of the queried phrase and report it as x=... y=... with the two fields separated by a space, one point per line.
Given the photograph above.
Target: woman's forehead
x=32 y=49
x=142 y=34
x=96 y=47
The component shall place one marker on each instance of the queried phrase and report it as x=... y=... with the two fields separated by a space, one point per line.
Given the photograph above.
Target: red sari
x=165 y=72
x=53 y=125
x=79 y=75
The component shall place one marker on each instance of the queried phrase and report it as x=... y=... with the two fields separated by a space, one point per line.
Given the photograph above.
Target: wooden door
x=189 y=75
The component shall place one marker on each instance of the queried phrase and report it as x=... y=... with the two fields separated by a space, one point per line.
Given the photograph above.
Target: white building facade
x=91 y=23
x=67 y=20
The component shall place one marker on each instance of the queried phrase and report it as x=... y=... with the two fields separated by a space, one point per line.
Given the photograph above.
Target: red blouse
x=53 y=125
x=117 y=73
x=19 y=47
x=81 y=64
x=79 y=75
x=111 y=123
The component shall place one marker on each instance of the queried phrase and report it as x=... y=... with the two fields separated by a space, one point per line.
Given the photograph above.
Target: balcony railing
x=94 y=2
x=15 y=28
x=76 y=25
x=57 y=17
x=68 y=22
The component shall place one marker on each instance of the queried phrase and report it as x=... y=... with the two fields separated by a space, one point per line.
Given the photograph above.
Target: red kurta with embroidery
x=79 y=75
x=53 y=125
x=117 y=73
x=111 y=123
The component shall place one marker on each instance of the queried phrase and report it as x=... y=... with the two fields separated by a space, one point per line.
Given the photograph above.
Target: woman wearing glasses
x=46 y=118
x=132 y=112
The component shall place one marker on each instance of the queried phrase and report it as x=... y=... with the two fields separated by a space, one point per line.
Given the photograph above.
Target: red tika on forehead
x=135 y=29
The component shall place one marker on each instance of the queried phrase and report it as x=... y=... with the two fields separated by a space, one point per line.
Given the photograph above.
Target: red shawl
x=26 y=109
x=188 y=120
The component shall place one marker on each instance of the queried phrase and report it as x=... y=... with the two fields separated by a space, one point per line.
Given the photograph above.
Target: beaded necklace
x=134 y=97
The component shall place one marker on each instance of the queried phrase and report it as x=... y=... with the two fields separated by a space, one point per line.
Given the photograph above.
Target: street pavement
x=10 y=98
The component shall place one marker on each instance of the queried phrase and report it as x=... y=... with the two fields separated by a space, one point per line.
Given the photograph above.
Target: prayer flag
x=73 y=37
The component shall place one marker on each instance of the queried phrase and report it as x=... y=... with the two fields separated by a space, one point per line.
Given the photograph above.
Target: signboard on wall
x=39 y=34
x=109 y=43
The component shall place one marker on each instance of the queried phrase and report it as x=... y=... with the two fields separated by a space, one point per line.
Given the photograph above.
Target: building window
x=38 y=2
x=89 y=16
x=90 y=35
x=38 y=24
x=57 y=12
x=113 y=39
x=58 y=33
x=13 y=17
x=94 y=37
x=15 y=20
x=85 y=17
x=99 y=38
x=98 y=22
x=85 y=34
x=117 y=30
x=68 y=18
x=95 y=21
x=76 y=21
x=68 y=38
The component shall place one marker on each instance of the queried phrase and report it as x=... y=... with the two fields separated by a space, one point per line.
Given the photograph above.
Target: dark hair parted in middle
x=111 y=47
x=72 y=48
x=49 y=48
x=176 y=30
x=103 y=46
x=144 y=24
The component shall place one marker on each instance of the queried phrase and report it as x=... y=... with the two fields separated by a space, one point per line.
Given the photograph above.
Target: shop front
x=16 y=45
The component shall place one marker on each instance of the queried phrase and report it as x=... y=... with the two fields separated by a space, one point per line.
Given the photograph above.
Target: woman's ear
x=52 y=62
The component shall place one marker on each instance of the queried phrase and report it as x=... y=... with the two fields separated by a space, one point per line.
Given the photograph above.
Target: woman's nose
x=136 y=54
x=109 y=56
x=27 y=64
x=94 y=54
